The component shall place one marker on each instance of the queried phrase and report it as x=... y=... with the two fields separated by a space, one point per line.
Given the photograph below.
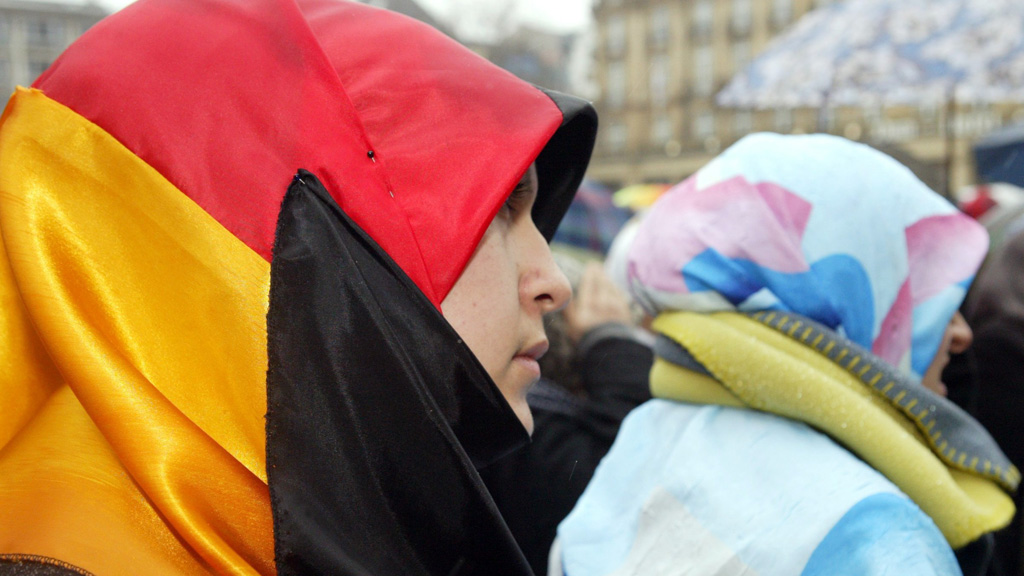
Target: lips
x=528 y=358
x=536 y=351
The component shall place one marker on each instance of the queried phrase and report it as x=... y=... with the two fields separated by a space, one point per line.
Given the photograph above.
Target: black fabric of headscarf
x=377 y=413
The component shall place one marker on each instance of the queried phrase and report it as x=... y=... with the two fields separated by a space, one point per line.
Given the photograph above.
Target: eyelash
x=515 y=200
x=510 y=205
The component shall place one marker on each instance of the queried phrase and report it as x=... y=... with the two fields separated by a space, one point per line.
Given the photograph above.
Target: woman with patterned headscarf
x=272 y=275
x=806 y=290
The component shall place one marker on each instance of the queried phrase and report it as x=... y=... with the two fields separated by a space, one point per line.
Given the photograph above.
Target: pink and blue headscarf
x=817 y=225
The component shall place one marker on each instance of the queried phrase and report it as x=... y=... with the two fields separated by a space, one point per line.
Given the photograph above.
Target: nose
x=542 y=283
x=961 y=334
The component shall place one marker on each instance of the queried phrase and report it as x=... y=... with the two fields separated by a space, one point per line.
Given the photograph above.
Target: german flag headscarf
x=227 y=227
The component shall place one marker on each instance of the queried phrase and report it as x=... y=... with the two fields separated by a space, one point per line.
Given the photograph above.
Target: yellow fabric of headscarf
x=132 y=363
x=757 y=367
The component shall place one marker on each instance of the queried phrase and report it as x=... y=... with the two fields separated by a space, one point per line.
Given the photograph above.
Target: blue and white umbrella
x=864 y=52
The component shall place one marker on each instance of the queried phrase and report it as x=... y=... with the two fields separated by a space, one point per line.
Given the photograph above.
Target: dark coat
x=988 y=380
x=538 y=486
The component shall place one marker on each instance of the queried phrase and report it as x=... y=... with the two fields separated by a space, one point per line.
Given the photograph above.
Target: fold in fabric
x=228 y=98
x=793 y=223
x=377 y=412
x=140 y=190
x=114 y=451
x=767 y=370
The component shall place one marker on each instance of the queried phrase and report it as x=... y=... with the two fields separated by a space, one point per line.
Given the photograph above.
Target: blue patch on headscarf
x=835 y=291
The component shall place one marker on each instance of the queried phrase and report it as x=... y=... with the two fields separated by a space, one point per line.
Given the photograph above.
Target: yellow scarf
x=103 y=350
x=790 y=373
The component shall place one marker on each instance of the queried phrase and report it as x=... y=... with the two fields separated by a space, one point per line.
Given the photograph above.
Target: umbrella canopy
x=890 y=52
x=999 y=156
x=592 y=220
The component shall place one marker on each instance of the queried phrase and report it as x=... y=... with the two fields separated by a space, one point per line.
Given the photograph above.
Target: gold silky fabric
x=133 y=357
x=757 y=367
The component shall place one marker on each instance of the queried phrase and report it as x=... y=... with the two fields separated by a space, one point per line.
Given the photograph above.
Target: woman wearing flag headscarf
x=272 y=277
x=806 y=290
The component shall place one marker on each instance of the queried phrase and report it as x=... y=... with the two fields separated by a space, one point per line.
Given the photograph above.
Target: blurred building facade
x=535 y=55
x=410 y=8
x=33 y=34
x=659 y=63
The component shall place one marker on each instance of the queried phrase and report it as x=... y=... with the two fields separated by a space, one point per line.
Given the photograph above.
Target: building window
x=704 y=125
x=826 y=119
x=658 y=79
x=783 y=120
x=741 y=16
x=615 y=136
x=659 y=25
x=740 y=54
x=703 y=15
x=37 y=67
x=895 y=130
x=703 y=70
x=782 y=12
x=616 y=90
x=661 y=129
x=743 y=123
x=42 y=32
x=872 y=113
x=975 y=122
x=616 y=35
x=928 y=113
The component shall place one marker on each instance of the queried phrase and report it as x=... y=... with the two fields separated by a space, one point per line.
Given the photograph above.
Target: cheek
x=482 y=305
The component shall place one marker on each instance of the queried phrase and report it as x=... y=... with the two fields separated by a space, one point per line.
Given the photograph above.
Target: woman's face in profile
x=498 y=303
x=957 y=339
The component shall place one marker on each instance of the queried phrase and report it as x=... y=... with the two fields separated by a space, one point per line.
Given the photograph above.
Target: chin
x=522 y=410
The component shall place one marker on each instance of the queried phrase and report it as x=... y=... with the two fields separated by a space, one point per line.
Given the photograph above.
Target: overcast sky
x=554 y=15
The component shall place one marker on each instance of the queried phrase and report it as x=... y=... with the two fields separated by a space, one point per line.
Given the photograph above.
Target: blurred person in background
x=805 y=290
x=988 y=379
x=240 y=331
x=595 y=373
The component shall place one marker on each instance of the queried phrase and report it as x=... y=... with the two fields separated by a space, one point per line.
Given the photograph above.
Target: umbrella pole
x=823 y=113
x=949 y=126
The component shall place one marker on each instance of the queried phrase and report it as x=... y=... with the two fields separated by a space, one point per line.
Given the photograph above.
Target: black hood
x=378 y=415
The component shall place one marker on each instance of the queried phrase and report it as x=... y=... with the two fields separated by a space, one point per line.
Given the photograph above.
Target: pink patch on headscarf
x=762 y=223
x=896 y=333
x=942 y=251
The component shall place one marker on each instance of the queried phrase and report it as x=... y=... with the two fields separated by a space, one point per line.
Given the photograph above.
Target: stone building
x=33 y=34
x=410 y=8
x=659 y=63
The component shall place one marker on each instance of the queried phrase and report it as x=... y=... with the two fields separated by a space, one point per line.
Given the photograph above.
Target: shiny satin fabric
x=134 y=356
x=139 y=195
x=404 y=126
x=378 y=414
